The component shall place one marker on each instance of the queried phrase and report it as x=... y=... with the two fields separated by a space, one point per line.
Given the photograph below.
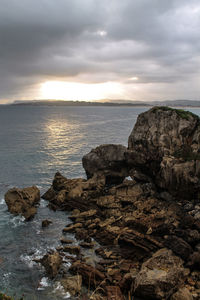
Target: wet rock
x=108 y=160
x=46 y=223
x=160 y=275
x=23 y=201
x=72 y=284
x=182 y=294
x=66 y=241
x=52 y=263
x=72 y=249
x=81 y=234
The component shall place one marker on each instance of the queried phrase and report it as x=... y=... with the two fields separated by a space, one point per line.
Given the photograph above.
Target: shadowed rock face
x=108 y=160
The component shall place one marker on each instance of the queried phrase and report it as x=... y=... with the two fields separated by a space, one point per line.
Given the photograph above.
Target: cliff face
x=165 y=143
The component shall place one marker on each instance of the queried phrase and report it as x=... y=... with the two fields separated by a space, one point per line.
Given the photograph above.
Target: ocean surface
x=35 y=142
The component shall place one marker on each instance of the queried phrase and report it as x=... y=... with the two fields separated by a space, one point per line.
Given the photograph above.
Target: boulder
x=108 y=160
x=52 y=263
x=23 y=201
x=46 y=223
x=160 y=276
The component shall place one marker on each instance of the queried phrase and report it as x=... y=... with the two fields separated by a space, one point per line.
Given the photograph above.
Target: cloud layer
x=150 y=47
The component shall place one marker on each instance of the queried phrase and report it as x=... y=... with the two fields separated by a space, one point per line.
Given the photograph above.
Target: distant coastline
x=172 y=103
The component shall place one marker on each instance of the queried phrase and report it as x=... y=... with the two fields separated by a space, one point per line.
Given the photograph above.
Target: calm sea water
x=35 y=142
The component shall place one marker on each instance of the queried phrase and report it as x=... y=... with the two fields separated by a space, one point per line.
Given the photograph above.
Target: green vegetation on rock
x=180 y=112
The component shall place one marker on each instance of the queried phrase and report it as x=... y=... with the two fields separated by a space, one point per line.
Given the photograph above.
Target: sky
x=94 y=49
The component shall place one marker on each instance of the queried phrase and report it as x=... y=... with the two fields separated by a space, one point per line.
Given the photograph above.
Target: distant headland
x=105 y=102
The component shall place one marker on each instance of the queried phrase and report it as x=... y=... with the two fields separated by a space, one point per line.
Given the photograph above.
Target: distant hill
x=108 y=102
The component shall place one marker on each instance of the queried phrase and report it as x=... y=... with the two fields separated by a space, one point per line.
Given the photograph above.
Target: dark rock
x=66 y=241
x=52 y=263
x=72 y=249
x=23 y=201
x=179 y=246
x=46 y=223
x=108 y=160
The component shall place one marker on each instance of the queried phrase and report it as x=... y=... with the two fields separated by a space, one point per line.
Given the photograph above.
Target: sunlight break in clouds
x=80 y=91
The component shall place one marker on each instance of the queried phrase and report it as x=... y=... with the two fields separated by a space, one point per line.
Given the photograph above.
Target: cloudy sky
x=92 y=49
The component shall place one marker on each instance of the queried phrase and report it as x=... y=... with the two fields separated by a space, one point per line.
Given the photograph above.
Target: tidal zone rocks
x=137 y=212
x=145 y=231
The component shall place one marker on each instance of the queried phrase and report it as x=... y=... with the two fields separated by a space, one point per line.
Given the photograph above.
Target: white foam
x=27 y=259
x=67 y=296
x=17 y=221
x=2 y=201
x=43 y=203
x=59 y=289
x=44 y=282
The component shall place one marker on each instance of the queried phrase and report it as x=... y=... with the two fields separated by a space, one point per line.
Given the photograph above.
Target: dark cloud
x=95 y=41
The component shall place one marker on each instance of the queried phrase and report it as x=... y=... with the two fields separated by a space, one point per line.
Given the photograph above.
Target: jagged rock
x=108 y=160
x=72 y=249
x=160 y=276
x=72 y=284
x=52 y=263
x=23 y=201
x=182 y=294
x=67 y=194
x=165 y=144
x=46 y=223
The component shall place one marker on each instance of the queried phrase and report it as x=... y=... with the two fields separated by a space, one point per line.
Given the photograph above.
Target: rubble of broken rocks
x=138 y=210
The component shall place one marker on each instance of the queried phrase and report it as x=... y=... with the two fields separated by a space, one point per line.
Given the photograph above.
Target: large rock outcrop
x=23 y=201
x=165 y=144
x=108 y=160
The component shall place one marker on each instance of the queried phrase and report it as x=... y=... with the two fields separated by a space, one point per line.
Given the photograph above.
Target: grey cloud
x=157 y=41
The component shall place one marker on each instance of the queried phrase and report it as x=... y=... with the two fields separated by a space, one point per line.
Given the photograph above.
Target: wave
x=2 y=201
x=44 y=282
x=17 y=221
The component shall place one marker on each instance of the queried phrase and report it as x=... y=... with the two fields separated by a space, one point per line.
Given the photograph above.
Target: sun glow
x=79 y=91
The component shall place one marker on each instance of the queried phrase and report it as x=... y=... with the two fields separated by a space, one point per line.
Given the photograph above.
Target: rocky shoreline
x=137 y=214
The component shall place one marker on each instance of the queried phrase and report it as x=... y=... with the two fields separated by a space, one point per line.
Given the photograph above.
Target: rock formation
x=165 y=144
x=23 y=201
x=108 y=160
x=145 y=231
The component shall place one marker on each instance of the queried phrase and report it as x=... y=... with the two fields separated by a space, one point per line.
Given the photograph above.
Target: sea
x=35 y=143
